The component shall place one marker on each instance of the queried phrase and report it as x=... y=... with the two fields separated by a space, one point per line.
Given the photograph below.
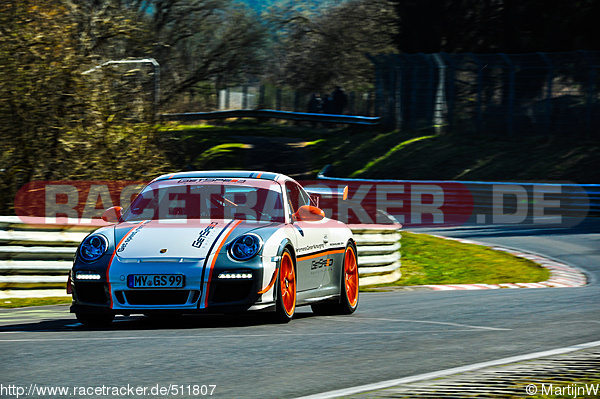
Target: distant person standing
x=339 y=100
x=315 y=105
x=327 y=105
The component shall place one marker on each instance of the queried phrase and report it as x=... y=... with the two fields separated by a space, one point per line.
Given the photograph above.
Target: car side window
x=296 y=196
x=304 y=198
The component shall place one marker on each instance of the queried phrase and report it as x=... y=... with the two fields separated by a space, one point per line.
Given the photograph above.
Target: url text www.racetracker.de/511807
x=174 y=390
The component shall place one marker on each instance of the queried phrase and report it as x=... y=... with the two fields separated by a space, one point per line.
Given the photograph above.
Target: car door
x=311 y=245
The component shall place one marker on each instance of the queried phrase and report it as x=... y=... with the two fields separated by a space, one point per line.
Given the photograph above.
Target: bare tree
x=324 y=47
x=202 y=40
x=194 y=41
x=38 y=86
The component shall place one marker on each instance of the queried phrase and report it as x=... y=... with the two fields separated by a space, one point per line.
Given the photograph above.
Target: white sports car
x=216 y=241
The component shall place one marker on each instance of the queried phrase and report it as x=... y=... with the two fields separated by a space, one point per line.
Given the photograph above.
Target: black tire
x=95 y=320
x=349 y=287
x=286 y=289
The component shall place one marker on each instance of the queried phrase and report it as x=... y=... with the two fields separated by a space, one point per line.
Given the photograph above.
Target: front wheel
x=286 y=289
x=95 y=320
x=348 y=287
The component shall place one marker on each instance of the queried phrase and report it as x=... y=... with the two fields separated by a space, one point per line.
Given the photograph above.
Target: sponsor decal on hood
x=158 y=241
x=151 y=240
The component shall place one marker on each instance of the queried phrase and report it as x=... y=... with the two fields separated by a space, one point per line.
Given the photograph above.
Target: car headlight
x=236 y=275
x=93 y=247
x=245 y=247
x=87 y=275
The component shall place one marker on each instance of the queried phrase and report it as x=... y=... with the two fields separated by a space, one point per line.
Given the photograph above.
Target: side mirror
x=309 y=213
x=113 y=214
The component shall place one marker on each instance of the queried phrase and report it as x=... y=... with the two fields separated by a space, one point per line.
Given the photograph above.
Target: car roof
x=226 y=174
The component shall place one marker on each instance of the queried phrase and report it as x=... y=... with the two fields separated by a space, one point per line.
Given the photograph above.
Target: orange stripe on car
x=111 y=259
x=214 y=261
x=271 y=283
x=339 y=251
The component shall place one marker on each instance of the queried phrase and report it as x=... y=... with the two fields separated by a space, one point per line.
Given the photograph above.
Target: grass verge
x=431 y=260
x=24 y=302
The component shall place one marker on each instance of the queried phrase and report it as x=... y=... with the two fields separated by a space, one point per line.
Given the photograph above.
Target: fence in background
x=269 y=113
x=269 y=97
x=539 y=93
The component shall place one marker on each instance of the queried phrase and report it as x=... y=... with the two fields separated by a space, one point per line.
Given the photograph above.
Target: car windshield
x=187 y=199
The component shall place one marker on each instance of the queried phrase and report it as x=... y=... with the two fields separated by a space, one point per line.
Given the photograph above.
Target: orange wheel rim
x=287 y=284
x=351 y=275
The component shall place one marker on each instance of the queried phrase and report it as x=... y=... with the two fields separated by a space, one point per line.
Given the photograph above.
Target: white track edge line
x=447 y=372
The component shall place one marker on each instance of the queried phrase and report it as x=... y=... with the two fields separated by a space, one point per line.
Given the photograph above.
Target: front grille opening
x=157 y=297
x=195 y=296
x=91 y=292
x=120 y=297
x=231 y=291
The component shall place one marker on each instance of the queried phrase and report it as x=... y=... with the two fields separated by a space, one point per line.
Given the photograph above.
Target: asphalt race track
x=392 y=335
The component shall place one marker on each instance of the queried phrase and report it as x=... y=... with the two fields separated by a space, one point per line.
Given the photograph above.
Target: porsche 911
x=216 y=242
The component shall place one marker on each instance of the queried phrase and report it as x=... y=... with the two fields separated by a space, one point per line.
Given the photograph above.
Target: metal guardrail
x=488 y=202
x=379 y=257
x=40 y=257
x=269 y=113
x=36 y=257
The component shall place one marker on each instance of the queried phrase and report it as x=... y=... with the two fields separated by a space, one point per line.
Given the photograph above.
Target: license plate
x=155 y=280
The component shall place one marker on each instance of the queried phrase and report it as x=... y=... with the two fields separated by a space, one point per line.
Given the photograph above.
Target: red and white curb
x=561 y=275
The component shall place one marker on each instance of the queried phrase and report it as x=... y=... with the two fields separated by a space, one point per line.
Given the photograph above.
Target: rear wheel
x=95 y=320
x=348 y=287
x=286 y=289
x=350 y=297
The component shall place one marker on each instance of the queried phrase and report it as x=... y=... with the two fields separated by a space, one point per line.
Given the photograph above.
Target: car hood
x=153 y=240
